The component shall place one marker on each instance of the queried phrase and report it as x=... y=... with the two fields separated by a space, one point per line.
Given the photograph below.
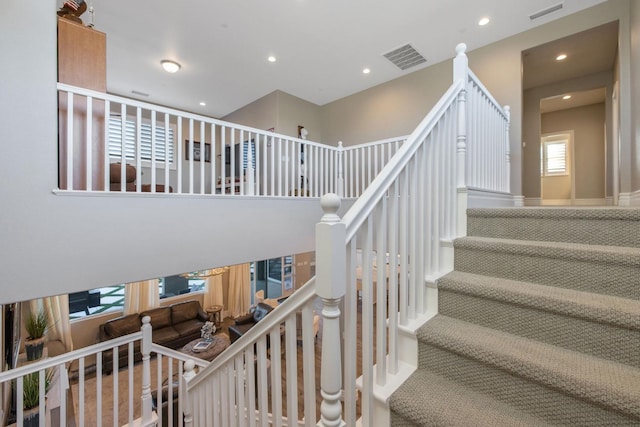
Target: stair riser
x=604 y=278
x=549 y=228
x=530 y=396
x=602 y=340
x=398 y=421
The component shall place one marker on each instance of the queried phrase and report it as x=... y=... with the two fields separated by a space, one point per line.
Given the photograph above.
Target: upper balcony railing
x=113 y=144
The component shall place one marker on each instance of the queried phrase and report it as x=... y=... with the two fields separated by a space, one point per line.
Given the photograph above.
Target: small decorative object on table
x=202 y=346
x=207 y=331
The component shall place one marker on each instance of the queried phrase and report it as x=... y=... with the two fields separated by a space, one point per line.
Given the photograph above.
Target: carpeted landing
x=539 y=324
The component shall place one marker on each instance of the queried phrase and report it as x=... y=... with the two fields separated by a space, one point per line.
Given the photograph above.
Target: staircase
x=538 y=324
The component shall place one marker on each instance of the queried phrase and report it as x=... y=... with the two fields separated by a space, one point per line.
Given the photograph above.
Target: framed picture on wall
x=197 y=151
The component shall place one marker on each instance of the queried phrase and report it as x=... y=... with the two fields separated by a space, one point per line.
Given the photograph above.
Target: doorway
x=568 y=85
x=557 y=186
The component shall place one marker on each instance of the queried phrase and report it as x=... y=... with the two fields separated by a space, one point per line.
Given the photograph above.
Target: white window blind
x=555 y=158
x=245 y=154
x=115 y=141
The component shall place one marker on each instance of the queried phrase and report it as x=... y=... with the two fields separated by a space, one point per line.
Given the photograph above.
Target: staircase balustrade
x=176 y=152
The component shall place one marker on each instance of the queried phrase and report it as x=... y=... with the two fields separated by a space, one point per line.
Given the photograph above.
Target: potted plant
x=36 y=326
x=31 y=396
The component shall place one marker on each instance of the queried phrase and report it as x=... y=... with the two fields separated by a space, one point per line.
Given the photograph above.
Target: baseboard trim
x=629 y=199
x=536 y=201
x=489 y=199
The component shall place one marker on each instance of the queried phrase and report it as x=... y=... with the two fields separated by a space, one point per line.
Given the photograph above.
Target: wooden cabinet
x=82 y=57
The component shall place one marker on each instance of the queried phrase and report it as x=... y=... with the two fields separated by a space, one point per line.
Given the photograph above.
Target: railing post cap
x=330 y=204
x=146 y=320
x=507 y=108
x=340 y=144
x=189 y=365
x=461 y=48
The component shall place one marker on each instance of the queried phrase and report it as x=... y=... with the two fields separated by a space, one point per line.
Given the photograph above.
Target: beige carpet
x=539 y=324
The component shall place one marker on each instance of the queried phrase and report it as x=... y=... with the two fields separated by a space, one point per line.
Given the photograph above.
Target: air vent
x=405 y=57
x=137 y=92
x=546 y=11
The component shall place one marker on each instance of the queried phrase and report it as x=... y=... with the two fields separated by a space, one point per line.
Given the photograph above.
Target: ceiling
x=321 y=46
x=588 y=52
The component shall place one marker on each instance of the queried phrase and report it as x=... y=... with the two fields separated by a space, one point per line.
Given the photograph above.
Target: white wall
x=635 y=94
x=53 y=244
x=395 y=108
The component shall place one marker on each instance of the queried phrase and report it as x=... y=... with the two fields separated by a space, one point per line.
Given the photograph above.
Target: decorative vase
x=34 y=348
x=31 y=417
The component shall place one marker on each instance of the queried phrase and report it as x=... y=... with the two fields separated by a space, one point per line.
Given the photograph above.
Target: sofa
x=116 y=184
x=172 y=326
x=242 y=324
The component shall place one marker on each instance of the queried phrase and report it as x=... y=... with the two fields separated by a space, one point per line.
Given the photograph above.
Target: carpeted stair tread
x=427 y=399
x=588 y=378
x=610 y=270
x=620 y=255
x=622 y=312
x=600 y=226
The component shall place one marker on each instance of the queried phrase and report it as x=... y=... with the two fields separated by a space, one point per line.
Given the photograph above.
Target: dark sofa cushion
x=164 y=335
x=160 y=317
x=189 y=327
x=183 y=311
x=123 y=326
x=260 y=311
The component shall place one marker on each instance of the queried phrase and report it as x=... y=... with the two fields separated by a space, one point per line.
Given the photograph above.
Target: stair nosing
x=508 y=355
x=568 y=251
x=614 y=214
x=569 y=302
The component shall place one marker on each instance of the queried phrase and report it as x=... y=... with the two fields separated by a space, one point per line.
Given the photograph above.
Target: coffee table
x=219 y=343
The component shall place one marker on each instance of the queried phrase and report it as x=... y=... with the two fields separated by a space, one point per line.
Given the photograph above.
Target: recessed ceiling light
x=566 y=97
x=271 y=59
x=366 y=71
x=203 y=103
x=561 y=57
x=170 y=66
x=484 y=21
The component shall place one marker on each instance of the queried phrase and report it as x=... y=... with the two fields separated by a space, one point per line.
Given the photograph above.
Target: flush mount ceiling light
x=271 y=59
x=566 y=97
x=484 y=21
x=366 y=71
x=170 y=66
x=561 y=57
x=203 y=103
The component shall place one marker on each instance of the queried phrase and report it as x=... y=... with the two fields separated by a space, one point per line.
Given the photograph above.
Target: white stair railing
x=255 y=381
x=384 y=256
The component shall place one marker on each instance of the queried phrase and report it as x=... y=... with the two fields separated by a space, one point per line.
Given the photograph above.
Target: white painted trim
x=532 y=201
x=629 y=199
x=479 y=198
x=575 y=202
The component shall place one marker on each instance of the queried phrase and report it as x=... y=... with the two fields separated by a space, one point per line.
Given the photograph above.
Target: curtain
x=141 y=296
x=213 y=288
x=239 y=289
x=57 y=311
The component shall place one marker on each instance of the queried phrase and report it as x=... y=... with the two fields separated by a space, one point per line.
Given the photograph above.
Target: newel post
x=187 y=408
x=340 y=165
x=330 y=285
x=460 y=72
x=148 y=417
x=507 y=111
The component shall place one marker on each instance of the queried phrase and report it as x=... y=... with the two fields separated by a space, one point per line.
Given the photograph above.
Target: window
x=115 y=141
x=554 y=157
x=96 y=301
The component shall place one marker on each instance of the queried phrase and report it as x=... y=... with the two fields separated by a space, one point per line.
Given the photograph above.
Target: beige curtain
x=57 y=311
x=213 y=288
x=141 y=296
x=239 y=289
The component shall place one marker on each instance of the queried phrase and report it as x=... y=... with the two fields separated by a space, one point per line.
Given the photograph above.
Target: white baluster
x=187 y=409
x=148 y=418
x=331 y=275
x=340 y=167
x=507 y=183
